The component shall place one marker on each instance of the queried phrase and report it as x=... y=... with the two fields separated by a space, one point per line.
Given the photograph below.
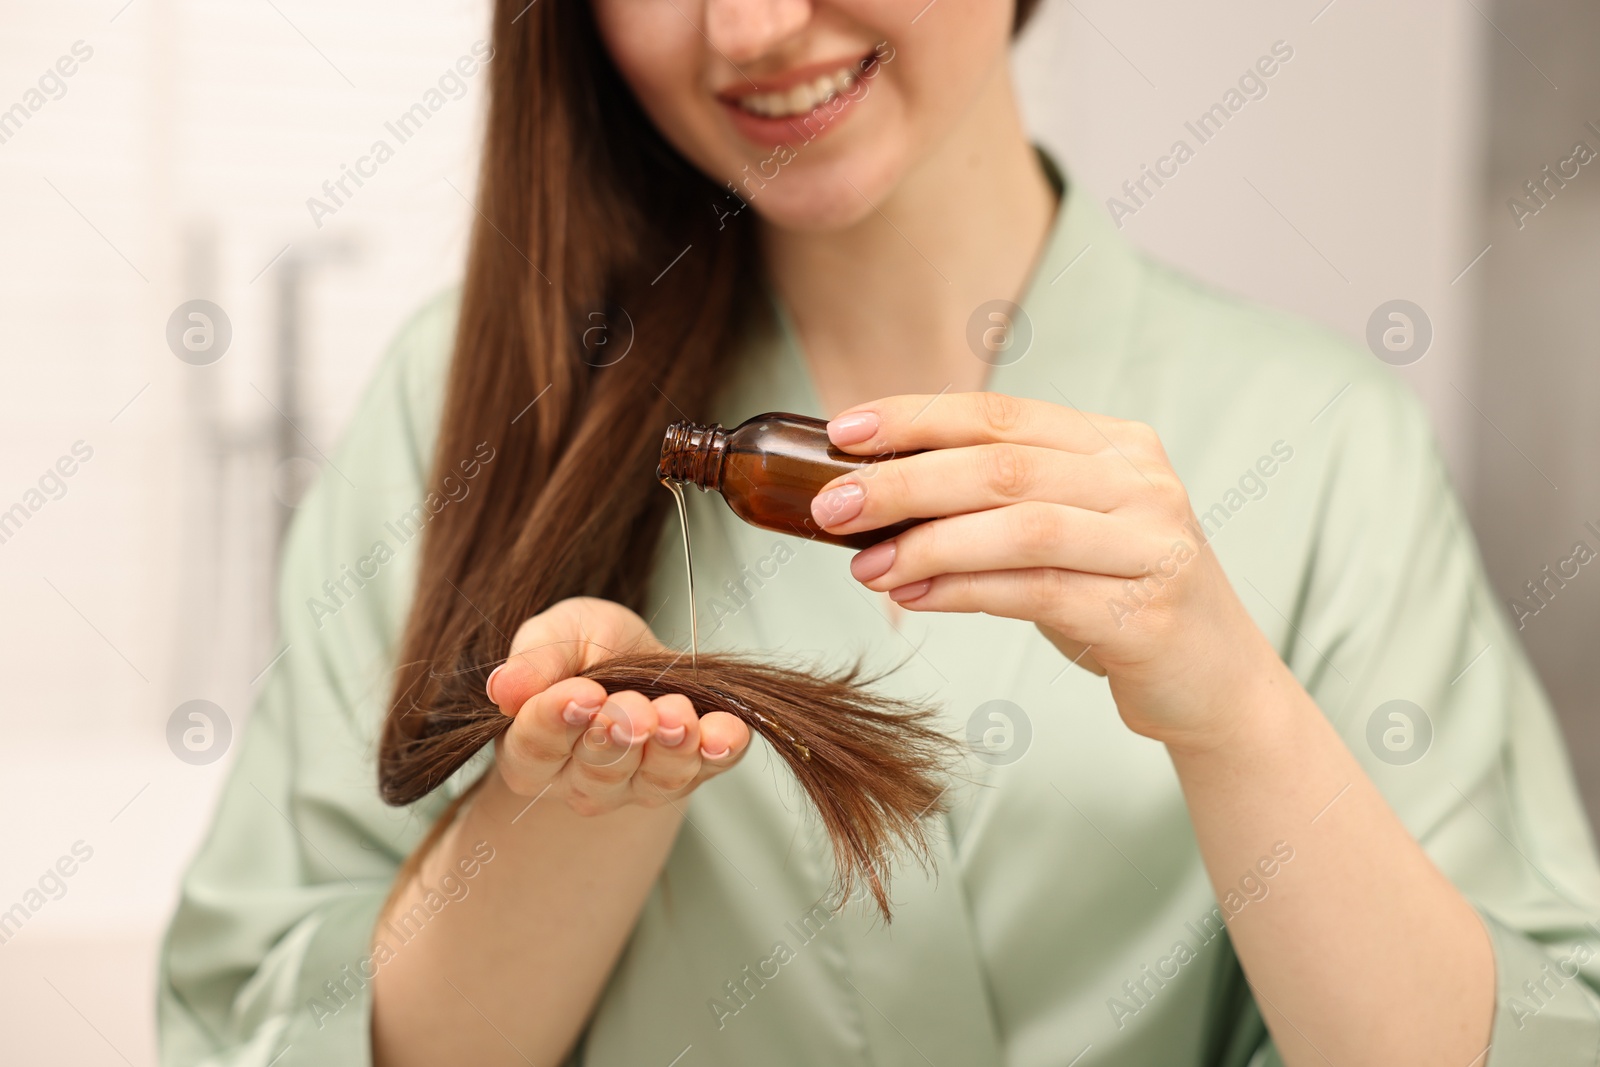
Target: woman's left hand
x=1074 y=522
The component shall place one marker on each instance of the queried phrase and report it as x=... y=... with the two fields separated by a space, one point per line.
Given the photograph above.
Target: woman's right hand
x=599 y=751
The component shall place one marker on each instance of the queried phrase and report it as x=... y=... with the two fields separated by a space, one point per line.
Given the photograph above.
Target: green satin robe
x=1069 y=919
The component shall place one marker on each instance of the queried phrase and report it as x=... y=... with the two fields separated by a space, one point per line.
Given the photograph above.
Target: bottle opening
x=693 y=453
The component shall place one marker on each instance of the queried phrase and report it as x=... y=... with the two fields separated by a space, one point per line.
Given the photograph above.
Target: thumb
x=1076 y=651
x=561 y=642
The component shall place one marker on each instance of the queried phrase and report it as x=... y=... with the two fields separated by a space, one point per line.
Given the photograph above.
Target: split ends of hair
x=874 y=768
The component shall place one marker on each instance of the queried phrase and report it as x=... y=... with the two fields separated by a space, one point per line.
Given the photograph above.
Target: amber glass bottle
x=768 y=469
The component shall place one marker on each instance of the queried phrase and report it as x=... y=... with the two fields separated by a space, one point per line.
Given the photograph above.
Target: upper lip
x=778 y=83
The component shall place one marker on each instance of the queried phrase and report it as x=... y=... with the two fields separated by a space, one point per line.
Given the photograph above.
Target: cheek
x=949 y=56
x=658 y=53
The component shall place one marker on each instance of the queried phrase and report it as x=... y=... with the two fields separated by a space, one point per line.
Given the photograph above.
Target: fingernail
x=576 y=714
x=488 y=685
x=721 y=753
x=874 y=562
x=854 y=428
x=622 y=734
x=910 y=592
x=839 y=504
x=671 y=735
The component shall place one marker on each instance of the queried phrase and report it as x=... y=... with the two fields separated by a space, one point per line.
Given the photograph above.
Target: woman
x=1266 y=780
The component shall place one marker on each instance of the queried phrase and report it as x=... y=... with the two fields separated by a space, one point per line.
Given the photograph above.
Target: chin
x=826 y=212
x=830 y=200
x=821 y=187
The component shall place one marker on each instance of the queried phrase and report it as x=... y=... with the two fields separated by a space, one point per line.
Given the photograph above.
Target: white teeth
x=802 y=99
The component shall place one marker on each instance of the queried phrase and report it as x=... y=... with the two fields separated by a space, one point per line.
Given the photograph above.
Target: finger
x=671 y=759
x=1012 y=538
x=544 y=730
x=1087 y=608
x=911 y=422
x=569 y=637
x=723 y=740
x=608 y=753
x=955 y=481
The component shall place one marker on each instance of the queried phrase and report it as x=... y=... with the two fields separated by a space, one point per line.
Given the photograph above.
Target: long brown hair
x=586 y=215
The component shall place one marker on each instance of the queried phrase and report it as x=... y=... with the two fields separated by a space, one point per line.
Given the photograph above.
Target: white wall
x=144 y=585
x=1352 y=182
x=201 y=126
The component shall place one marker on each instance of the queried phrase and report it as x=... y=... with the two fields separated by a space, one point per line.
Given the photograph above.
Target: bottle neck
x=693 y=453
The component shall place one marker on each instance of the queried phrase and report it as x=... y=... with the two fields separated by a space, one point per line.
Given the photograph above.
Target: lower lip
x=794 y=130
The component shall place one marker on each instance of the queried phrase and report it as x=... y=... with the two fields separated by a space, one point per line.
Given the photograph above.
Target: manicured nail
x=622 y=734
x=839 y=504
x=721 y=753
x=488 y=685
x=874 y=562
x=671 y=736
x=910 y=592
x=854 y=428
x=576 y=714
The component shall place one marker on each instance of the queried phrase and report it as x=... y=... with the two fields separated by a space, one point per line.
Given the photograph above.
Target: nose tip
x=742 y=30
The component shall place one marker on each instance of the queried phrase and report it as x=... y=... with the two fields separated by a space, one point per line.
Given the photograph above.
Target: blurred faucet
x=293 y=469
x=232 y=527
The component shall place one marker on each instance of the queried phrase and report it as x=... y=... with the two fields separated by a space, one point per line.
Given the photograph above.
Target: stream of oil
x=676 y=489
x=688 y=567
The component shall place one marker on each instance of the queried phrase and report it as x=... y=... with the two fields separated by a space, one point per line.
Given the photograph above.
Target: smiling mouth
x=806 y=97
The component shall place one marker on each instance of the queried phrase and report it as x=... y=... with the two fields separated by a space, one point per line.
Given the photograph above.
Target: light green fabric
x=1065 y=878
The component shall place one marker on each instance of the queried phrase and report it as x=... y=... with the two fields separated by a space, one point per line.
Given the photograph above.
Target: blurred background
x=159 y=152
